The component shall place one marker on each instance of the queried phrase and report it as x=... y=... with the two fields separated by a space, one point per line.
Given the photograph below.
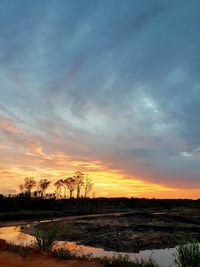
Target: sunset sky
x=108 y=87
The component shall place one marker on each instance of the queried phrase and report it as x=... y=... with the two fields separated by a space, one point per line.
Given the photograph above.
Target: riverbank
x=30 y=215
x=10 y=259
x=25 y=256
x=67 y=217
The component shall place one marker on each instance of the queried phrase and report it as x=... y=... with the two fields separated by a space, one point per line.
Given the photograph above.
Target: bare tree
x=79 y=182
x=58 y=184
x=43 y=185
x=70 y=183
x=88 y=185
x=64 y=184
x=29 y=184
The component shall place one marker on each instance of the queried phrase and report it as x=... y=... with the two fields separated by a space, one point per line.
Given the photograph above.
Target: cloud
x=110 y=82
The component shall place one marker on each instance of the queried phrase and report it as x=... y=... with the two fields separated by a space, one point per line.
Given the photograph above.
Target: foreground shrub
x=46 y=240
x=125 y=261
x=188 y=255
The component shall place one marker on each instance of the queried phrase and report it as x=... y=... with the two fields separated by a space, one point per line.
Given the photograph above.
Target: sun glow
x=26 y=156
x=107 y=183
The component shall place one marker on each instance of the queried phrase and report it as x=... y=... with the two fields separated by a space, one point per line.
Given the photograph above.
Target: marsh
x=132 y=231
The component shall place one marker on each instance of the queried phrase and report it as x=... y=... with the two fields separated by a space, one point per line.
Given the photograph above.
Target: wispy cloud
x=103 y=85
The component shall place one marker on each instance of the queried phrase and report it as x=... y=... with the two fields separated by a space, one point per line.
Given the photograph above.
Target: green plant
x=46 y=240
x=188 y=255
x=125 y=261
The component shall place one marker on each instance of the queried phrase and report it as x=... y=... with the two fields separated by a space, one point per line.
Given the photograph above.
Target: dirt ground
x=139 y=230
x=9 y=259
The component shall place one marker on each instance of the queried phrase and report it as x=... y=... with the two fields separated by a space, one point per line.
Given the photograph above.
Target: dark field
x=131 y=232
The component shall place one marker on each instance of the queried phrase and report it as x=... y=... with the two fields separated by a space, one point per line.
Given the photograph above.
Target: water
x=163 y=257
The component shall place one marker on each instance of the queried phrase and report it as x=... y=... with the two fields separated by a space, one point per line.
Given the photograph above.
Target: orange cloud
x=7 y=125
x=27 y=155
x=36 y=149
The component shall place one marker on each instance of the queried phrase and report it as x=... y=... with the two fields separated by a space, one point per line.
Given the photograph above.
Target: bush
x=46 y=240
x=125 y=261
x=188 y=255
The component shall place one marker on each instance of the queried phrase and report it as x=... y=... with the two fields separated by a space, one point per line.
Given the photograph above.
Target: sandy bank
x=9 y=259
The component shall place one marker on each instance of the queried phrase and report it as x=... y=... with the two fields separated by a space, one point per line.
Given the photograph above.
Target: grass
x=188 y=255
x=115 y=261
x=46 y=240
x=61 y=253
x=125 y=261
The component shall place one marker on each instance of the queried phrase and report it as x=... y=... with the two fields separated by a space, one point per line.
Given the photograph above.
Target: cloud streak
x=108 y=85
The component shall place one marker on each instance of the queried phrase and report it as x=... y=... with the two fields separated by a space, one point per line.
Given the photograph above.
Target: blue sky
x=117 y=82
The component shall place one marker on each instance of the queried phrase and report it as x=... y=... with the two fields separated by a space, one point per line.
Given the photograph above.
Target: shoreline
x=27 y=221
x=11 y=259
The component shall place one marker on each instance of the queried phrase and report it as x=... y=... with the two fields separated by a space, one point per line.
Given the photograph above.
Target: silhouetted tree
x=29 y=184
x=35 y=193
x=64 y=185
x=88 y=185
x=70 y=182
x=79 y=182
x=43 y=185
x=58 y=184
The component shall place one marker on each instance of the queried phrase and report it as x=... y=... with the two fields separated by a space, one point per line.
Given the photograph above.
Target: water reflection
x=163 y=257
x=14 y=235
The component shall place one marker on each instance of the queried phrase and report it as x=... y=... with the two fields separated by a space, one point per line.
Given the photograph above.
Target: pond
x=13 y=234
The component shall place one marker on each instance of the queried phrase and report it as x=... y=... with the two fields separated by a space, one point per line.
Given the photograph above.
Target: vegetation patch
x=46 y=240
x=125 y=261
x=61 y=253
x=188 y=255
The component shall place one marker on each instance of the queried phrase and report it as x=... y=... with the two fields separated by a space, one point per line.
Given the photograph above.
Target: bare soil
x=9 y=259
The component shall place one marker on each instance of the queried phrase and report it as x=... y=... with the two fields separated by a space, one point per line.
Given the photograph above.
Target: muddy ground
x=133 y=232
x=9 y=259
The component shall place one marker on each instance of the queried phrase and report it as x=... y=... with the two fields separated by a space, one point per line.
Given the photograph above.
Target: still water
x=163 y=257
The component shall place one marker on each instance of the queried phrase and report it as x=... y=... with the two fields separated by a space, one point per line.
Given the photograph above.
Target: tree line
x=71 y=185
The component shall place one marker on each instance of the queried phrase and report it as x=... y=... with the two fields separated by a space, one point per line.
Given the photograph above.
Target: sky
x=108 y=87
